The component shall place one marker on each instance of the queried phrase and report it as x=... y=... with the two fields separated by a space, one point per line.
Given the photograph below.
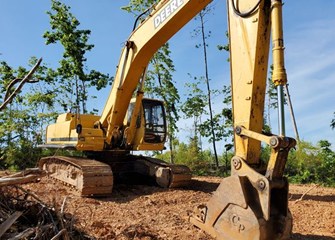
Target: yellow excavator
x=250 y=204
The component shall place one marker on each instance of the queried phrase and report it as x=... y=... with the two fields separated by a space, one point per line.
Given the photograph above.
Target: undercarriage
x=96 y=176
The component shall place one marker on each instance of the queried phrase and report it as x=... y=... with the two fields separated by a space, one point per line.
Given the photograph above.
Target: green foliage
x=326 y=169
x=195 y=103
x=223 y=129
x=271 y=92
x=22 y=122
x=195 y=107
x=221 y=122
x=201 y=162
x=138 y=6
x=160 y=84
x=308 y=164
x=312 y=164
x=64 y=30
x=225 y=47
x=6 y=76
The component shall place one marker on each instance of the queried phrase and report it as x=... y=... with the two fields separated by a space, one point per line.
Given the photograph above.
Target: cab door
x=155 y=122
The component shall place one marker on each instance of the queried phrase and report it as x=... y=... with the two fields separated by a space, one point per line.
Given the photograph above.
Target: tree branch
x=8 y=98
x=12 y=83
x=9 y=222
x=303 y=195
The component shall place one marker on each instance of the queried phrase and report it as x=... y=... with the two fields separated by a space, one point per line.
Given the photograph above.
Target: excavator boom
x=167 y=18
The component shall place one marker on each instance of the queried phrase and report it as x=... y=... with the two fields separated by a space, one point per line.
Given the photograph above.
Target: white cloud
x=310 y=56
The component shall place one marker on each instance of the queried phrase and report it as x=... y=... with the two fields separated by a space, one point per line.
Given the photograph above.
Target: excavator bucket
x=246 y=205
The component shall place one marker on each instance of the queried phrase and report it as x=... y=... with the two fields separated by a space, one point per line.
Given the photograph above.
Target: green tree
x=28 y=108
x=191 y=155
x=24 y=115
x=302 y=163
x=326 y=169
x=195 y=105
x=162 y=68
x=222 y=122
x=64 y=30
x=332 y=123
x=312 y=163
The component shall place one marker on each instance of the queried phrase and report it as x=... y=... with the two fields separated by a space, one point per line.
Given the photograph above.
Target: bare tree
x=204 y=45
x=10 y=94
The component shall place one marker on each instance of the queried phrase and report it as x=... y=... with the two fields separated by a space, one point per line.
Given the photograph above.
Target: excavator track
x=168 y=175
x=89 y=177
x=163 y=174
x=95 y=178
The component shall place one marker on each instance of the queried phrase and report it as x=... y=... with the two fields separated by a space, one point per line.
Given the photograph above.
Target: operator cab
x=151 y=120
x=155 y=123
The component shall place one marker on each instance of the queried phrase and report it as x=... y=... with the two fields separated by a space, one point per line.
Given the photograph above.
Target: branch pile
x=24 y=216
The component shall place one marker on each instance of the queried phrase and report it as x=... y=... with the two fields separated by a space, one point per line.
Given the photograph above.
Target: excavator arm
x=253 y=202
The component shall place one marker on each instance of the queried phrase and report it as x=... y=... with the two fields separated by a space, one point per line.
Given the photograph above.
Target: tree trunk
x=204 y=44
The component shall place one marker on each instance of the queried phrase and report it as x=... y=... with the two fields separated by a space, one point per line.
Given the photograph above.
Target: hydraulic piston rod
x=279 y=76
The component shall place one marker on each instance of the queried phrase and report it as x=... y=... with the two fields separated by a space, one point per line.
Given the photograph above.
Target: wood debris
x=24 y=216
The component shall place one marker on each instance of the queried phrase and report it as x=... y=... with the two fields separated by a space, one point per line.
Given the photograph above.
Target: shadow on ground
x=298 y=236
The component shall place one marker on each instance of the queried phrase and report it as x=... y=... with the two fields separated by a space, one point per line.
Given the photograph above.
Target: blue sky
x=309 y=30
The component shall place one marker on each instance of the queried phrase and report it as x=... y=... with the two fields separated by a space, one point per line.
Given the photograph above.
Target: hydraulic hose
x=245 y=14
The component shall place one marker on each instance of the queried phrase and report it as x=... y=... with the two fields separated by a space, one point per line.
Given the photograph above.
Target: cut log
x=18 y=180
x=26 y=176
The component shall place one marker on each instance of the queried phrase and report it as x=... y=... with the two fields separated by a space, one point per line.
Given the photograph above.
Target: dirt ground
x=149 y=212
